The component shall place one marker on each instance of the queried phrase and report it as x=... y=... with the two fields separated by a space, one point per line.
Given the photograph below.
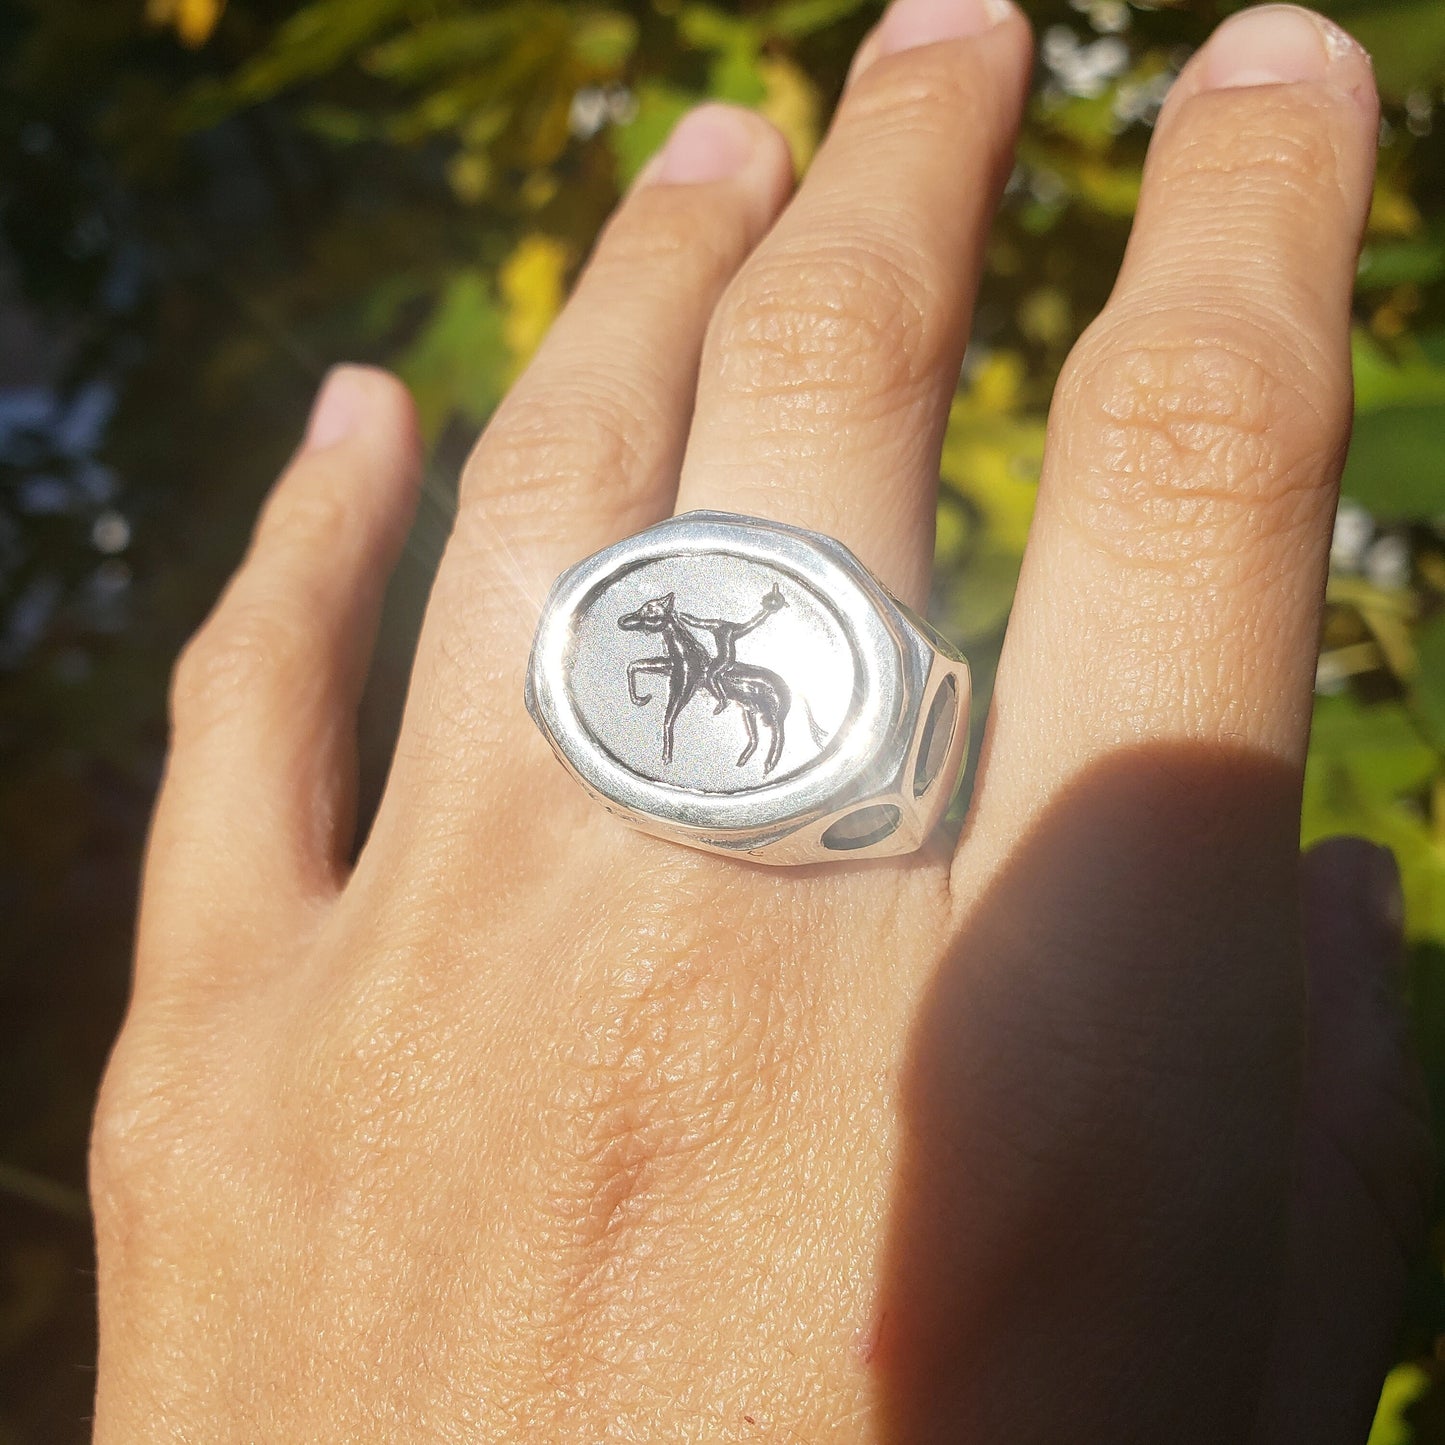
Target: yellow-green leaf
x=532 y=286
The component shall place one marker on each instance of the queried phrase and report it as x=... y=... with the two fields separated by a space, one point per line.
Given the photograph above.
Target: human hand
x=529 y=1127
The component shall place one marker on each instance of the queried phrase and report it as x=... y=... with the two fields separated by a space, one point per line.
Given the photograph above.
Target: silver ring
x=750 y=688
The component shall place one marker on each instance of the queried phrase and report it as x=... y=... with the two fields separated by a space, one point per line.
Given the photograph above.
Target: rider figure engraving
x=762 y=695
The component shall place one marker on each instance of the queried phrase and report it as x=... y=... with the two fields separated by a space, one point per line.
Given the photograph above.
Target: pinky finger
x=260 y=790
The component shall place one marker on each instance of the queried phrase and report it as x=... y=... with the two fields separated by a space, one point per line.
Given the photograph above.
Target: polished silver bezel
x=896 y=669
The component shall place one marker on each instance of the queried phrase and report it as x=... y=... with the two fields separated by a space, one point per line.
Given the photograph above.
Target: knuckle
x=132 y=1131
x=1273 y=145
x=557 y=449
x=239 y=651
x=655 y=232
x=923 y=92
x=1196 y=438
x=835 y=326
x=312 y=507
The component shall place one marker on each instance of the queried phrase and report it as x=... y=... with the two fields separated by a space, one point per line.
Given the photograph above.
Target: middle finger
x=830 y=362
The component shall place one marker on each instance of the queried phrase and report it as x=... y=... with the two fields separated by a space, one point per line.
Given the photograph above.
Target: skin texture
x=1095 y=1124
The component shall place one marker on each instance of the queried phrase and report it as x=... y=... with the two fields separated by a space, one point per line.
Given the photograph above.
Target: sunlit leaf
x=791 y=102
x=458 y=363
x=1368 y=767
x=448 y=42
x=795 y=19
x=1382 y=380
x=446 y=109
x=314 y=40
x=1383 y=749
x=338 y=125
x=532 y=285
x=708 y=28
x=736 y=75
x=1111 y=189
x=1046 y=316
x=1089 y=120
x=992 y=458
x=604 y=39
x=192 y=20
x=1429 y=688
x=470 y=173
x=1405 y=1385
x=1393 y=212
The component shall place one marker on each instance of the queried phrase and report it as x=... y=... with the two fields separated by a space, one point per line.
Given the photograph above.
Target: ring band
x=750 y=688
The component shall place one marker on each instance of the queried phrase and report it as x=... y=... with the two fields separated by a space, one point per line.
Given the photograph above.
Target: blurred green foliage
x=416 y=182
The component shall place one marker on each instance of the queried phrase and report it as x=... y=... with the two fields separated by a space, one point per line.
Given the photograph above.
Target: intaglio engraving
x=690 y=668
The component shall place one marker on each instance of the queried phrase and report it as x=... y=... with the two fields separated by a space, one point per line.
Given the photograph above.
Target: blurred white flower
x=1354 y=531
x=1079 y=69
x=595 y=106
x=110 y=534
x=1107 y=17
x=1387 y=563
x=1141 y=100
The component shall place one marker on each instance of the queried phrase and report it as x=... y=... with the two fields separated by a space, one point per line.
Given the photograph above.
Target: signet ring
x=750 y=688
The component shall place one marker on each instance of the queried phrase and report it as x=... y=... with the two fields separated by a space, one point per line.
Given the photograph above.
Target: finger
x=825 y=384
x=259 y=795
x=586 y=448
x=1175 y=570
x=1365 y=1160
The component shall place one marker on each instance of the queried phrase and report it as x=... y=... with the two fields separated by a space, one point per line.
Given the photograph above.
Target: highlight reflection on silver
x=749 y=688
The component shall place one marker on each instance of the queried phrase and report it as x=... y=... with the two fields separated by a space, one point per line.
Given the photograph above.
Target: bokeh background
x=205 y=202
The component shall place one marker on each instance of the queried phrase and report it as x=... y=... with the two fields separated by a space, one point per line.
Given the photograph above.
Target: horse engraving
x=690 y=668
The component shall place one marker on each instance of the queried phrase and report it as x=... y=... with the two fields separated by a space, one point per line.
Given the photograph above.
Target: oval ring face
x=712 y=673
x=717 y=672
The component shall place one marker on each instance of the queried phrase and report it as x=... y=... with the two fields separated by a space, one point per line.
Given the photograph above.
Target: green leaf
x=337 y=124
x=604 y=39
x=1402 y=263
x=314 y=41
x=798 y=18
x=457 y=364
x=737 y=77
x=447 y=44
x=706 y=28
x=1396 y=466
x=1368 y=771
x=1404 y=1385
x=1429 y=688
x=1385 y=381
x=1379 y=745
x=980 y=602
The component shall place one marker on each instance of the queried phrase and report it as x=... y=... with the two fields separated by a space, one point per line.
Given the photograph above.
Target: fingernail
x=1274 y=45
x=337 y=409
x=712 y=143
x=911 y=23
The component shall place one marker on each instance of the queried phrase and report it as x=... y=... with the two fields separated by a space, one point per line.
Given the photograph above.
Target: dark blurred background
x=205 y=202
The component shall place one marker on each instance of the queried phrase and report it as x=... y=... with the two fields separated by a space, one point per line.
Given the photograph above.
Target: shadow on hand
x=1099 y=1107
